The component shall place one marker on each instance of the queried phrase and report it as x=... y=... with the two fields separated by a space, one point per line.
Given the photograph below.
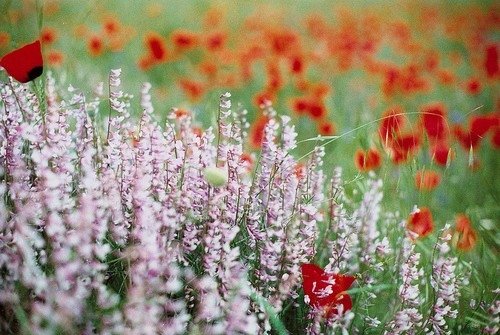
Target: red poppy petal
x=342 y=299
x=25 y=63
x=343 y=283
x=311 y=270
x=311 y=275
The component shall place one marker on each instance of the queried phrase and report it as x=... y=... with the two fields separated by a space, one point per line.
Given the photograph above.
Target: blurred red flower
x=427 y=180
x=257 y=131
x=391 y=123
x=441 y=153
x=326 y=128
x=155 y=45
x=95 y=45
x=184 y=39
x=367 y=160
x=421 y=222
x=433 y=119
x=479 y=125
x=465 y=236
x=473 y=86
x=491 y=61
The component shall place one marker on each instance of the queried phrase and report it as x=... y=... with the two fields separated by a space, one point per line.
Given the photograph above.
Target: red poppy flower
x=48 y=35
x=366 y=161
x=300 y=105
x=184 y=39
x=215 y=41
x=193 y=89
x=317 y=110
x=326 y=291
x=491 y=61
x=257 y=131
x=403 y=147
x=24 y=64
x=326 y=128
x=465 y=235
x=473 y=86
x=421 y=222
x=155 y=45
x=441 y=152
x=296 y=64
x=433 y=120
x=95 y=45
x=479 y=125
x=426 y=180
x=391 y=123
x=247 y=161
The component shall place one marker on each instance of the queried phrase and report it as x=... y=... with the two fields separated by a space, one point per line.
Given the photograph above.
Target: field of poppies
x=249 y=167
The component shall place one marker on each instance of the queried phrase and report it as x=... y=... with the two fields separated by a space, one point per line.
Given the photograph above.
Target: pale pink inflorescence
x=108 y=224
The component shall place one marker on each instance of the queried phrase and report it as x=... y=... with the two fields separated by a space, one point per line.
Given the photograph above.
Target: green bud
x=215 y=176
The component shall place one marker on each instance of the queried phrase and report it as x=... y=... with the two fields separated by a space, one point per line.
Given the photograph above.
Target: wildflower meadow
x=249 y=167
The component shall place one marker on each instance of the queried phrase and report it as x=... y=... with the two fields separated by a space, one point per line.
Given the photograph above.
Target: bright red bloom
x=316 y=110
x=274 y=78
x=326 y=291
x=403 y=147
x=282 y=42
x=434 y=120
x=421 y=222
x=24 y=64
x=445 y=77
x=111 y=25
x=155 y=45
x=479 y=125
x=300 y=105
x=441 y=152
x=432 y=61
x=391 y=123
x=297 y=64
x=491 y=61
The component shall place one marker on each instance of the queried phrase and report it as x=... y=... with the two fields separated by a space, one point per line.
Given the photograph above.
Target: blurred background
x=335 y=67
